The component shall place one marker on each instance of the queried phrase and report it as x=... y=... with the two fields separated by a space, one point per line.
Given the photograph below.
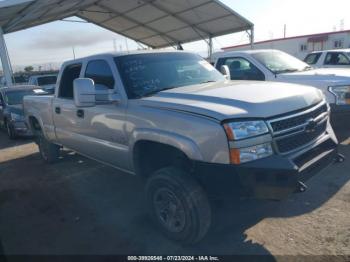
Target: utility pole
x=6 y=64
x=115 y=45
x=285 y=31
x=126 y=44
x=210 y=48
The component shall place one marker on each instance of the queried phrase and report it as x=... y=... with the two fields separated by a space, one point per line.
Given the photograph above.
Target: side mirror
x=226 y=72
x=84 y=92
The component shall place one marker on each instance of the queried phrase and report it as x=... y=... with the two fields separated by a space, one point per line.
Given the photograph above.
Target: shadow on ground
x=5 y=142
x=78 y=206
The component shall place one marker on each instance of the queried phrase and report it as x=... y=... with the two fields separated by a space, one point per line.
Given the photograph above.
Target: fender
x=184 y=144
x=46 y=130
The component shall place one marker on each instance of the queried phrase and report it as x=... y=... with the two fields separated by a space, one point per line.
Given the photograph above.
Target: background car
x=46 y=82
x=278 y=66
x=11 y=109
x=329 y=59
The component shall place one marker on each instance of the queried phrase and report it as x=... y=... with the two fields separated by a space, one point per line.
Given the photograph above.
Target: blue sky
x=52 y=43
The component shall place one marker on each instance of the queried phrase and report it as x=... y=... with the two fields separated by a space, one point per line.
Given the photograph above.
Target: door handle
x=58 y=110
x=80 y=113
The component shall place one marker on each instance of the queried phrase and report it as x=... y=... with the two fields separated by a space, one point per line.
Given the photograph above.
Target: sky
x=51 y=44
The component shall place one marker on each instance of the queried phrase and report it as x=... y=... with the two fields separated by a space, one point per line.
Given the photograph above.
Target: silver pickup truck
x=175 y=121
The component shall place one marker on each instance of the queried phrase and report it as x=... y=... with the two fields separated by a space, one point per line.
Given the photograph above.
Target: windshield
x=16 y=97
x=279 y=62
x=47 y=80
x=147 y=74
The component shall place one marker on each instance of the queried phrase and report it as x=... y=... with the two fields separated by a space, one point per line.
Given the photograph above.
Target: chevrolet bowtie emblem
x=310 y=126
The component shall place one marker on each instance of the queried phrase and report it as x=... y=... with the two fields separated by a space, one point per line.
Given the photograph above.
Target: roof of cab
x=241 y=52
x=119 y=54
x=346 y=50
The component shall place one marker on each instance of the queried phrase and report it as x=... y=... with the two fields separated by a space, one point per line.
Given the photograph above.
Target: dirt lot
x=80 y=207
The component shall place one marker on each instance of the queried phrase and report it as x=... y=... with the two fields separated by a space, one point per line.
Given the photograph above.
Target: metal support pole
x=252 y=37
x=210 y=47
x=5 y=60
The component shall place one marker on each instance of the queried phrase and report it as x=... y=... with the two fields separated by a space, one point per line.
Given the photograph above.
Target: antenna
x=126 y=44
x=73 y=49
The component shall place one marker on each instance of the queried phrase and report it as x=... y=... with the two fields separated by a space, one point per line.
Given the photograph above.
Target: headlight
x=246 y=129
x=342 y=94
x=17 y=117
x=243 y=155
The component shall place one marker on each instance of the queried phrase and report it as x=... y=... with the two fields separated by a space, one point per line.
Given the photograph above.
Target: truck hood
x=235 y=99
x=326 y=75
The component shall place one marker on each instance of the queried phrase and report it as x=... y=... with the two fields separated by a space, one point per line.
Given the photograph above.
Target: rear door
x=64 y=111
x=337 y=59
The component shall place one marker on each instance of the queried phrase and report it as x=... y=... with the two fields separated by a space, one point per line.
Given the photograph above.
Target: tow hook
x=339 y=158
x=301 y=187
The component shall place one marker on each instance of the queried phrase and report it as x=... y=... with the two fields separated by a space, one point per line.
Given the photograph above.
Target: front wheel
x=178 y=205
x=49 y=152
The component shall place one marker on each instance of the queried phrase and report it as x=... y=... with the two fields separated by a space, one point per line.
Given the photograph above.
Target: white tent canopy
x=155 y=23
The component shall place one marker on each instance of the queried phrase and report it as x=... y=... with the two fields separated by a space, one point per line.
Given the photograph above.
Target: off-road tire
x=193 y=205
x=49 y=152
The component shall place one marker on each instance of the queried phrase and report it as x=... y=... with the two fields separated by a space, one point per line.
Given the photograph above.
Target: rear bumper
x=274 y=177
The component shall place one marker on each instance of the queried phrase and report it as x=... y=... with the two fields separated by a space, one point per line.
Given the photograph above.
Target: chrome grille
x=296 y=131
x=298 y=120
x=298 y=140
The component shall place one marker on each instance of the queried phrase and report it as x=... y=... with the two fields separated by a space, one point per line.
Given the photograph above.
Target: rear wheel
x=49 y=152
x=10 y=131
x=178 y=205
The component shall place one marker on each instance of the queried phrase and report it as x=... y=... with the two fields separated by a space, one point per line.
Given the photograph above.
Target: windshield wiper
x=208 y=81
x=286 y=71
x=306 y=68
x=158 y=90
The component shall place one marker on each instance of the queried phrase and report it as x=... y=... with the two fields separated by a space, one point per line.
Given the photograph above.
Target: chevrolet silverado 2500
x=274 y=65
x=174 y=120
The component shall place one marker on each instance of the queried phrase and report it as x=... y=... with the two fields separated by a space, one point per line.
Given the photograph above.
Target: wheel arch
x=159 y=149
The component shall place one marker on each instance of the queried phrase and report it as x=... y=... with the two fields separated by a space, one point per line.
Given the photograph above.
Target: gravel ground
x=78 y=206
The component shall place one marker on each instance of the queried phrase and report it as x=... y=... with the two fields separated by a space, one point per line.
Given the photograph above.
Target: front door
x=104 y=124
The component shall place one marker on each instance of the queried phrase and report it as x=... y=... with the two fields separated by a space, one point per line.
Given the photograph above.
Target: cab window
x=336 y=59
x=70 y=73
x=312 y=59
x=241 y=69
x=101 y=73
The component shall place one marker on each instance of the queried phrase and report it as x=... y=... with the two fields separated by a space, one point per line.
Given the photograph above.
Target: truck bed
x=40 y=107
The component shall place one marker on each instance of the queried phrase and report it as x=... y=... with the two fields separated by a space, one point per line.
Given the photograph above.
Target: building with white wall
x=300 y=46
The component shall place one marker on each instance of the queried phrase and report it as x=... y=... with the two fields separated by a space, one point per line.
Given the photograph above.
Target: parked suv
x=175 y=121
